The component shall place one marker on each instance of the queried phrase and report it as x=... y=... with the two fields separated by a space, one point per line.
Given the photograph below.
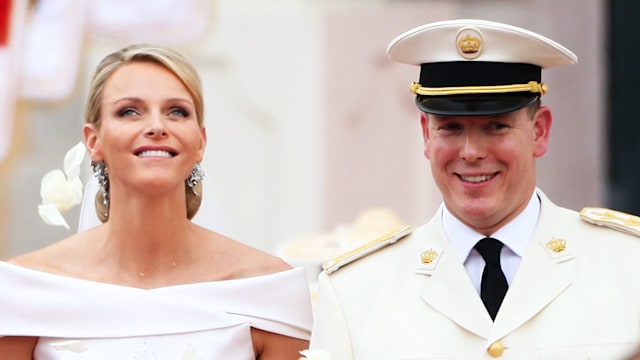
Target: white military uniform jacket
x=582 y=302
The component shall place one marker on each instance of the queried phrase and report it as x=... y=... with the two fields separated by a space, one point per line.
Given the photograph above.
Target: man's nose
x=473 y=147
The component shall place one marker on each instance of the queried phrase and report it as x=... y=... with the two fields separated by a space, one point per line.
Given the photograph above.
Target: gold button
x=496 y=349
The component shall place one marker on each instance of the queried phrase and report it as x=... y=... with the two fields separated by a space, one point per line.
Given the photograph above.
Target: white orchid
x=314 y=355
x=60 y=191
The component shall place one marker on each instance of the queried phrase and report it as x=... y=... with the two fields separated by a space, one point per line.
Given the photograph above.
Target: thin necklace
x=141 y=274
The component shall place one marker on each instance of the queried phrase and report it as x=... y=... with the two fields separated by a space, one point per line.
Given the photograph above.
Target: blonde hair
x=171 y=60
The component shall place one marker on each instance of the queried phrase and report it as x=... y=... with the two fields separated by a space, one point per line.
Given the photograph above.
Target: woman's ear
x=92 y=141
x=203 y=142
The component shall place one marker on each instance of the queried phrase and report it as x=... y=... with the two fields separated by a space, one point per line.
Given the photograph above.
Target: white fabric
x=210 y=215
x=81 y=319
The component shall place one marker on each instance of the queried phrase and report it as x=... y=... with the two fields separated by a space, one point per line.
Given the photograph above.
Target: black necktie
x=494 y=284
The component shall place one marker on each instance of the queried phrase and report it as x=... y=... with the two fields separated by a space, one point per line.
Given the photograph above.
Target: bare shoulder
x=242 y=260
x=268 y=263
x=52 y=258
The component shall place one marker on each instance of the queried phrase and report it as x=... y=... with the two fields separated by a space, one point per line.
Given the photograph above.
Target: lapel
x=541 y=277
x=446 y=285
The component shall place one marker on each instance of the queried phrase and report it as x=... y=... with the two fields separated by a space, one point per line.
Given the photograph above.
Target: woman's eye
x=127 y=112
x=179 y=112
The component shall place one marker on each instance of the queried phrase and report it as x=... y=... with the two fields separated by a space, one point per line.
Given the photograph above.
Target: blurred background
x=309 y=124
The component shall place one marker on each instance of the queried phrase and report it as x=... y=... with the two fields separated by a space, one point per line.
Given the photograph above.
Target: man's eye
x=450 y=127
x=498 y=126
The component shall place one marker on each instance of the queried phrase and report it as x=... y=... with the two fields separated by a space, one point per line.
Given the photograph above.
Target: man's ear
x=424 y=123
x=542 y=121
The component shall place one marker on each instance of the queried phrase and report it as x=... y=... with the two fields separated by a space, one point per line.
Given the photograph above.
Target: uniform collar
x=515 y=234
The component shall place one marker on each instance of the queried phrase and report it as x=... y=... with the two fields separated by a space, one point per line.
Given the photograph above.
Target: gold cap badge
x=469 y=43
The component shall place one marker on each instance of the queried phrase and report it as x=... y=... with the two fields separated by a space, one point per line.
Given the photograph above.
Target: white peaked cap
x=492 y=67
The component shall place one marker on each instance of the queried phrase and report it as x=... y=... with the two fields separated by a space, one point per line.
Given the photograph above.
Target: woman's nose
x=156 y=127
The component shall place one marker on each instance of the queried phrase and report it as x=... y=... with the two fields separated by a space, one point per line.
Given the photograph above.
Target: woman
x=149 y=283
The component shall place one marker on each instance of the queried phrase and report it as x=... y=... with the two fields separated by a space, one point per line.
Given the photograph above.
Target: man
x=500 y=271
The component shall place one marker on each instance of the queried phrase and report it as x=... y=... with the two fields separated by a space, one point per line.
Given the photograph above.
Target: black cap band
x=477 y=73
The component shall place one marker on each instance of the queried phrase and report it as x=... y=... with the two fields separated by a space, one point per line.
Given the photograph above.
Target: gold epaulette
x=613 y=219
x=366 y=249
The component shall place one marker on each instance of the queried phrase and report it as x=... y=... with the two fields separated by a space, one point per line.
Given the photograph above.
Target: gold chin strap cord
x=531 y=86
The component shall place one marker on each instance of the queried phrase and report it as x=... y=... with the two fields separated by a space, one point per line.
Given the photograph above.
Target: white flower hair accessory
x=60 y=191
x=314 y=355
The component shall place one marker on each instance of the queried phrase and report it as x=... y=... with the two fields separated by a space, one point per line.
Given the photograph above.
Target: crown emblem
x=428 y=256
x=469 y=43
x=557 y=245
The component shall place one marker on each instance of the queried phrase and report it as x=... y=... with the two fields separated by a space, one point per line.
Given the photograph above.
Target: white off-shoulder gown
x=81 y=319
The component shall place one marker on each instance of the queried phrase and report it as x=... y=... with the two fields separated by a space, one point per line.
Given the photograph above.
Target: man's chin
x=476 y=210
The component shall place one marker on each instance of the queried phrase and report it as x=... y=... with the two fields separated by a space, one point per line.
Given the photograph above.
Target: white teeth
x=155 y=153
x=477 y=178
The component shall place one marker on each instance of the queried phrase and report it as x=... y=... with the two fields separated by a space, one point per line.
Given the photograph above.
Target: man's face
x=485 y=165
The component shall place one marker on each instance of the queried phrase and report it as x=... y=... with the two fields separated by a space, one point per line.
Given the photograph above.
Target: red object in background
x=5 y=23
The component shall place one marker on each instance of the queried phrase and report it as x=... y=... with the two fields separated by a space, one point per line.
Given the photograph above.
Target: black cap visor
x=475 y=104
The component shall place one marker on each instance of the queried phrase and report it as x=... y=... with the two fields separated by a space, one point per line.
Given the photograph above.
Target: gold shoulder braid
x=366 y=249
x=613 y=219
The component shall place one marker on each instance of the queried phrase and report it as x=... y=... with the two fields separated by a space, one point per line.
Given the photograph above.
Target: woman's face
x=149 y=135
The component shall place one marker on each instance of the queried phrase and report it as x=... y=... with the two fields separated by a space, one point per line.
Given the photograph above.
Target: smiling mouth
x=475 y=179
x=156 y=153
